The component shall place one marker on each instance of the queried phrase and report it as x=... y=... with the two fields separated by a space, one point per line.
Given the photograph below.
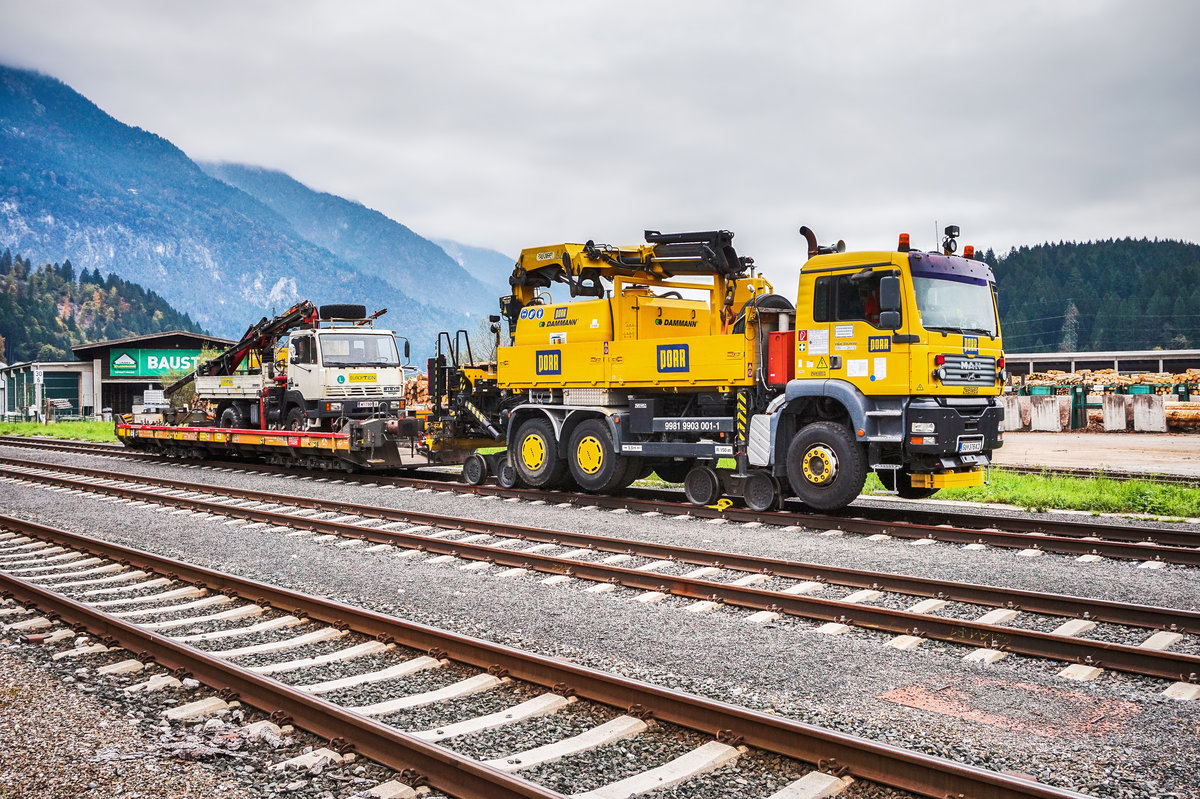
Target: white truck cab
x=349 y=372
x=306 y=370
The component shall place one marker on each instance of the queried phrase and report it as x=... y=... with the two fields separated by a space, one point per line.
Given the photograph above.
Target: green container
x=1040 y=391
x=1141 y=389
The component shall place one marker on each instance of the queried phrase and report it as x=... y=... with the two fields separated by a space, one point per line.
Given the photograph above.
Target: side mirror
x=406 y=350
x=889 y=293
x=889 y=320
x=294 y=359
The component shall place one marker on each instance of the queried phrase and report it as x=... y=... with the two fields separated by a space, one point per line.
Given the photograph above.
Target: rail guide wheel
x=702 y=486
x=475 y=469
x=506 y=475
x=761 y=491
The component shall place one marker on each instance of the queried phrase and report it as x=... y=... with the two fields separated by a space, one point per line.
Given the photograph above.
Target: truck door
x=846 y=340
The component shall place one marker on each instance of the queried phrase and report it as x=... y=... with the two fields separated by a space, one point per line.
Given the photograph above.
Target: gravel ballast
x=1114 y=737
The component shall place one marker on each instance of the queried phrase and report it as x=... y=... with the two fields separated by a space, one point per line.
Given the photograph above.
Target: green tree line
x=46 y=310
x=1119 y=294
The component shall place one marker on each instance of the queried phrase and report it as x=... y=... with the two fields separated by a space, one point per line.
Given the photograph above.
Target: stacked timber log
x=416 y=391
x=1111 y=377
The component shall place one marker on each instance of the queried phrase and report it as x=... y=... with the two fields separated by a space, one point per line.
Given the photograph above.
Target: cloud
x=511 y=125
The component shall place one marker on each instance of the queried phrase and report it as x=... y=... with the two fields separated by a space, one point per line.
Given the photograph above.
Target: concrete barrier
x=1149 y=413
x=1118 y=410
x=1045 y=415
x=1012 y=412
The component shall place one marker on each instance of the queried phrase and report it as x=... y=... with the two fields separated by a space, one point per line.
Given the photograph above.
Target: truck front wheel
x=826 y=467
x=535 y=454
x=296 y=420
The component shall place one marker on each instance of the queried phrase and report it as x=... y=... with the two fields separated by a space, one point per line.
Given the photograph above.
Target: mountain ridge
x=82 y=186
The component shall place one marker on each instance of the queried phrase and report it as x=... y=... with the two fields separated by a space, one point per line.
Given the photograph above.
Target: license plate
x=970 y=446
x=366 y=404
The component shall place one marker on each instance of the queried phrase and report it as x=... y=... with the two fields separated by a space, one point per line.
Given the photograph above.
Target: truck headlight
x=333 y=406
x=924 y=427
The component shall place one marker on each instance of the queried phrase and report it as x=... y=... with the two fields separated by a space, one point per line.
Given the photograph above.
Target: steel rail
x=1119 y=475
x=904 y=522
x=439 y=767
x=1017 y=599
x=1148 y=662
x=830 y=750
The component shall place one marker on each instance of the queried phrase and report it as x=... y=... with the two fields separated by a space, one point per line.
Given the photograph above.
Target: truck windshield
x=955 y=304
x=358 y=349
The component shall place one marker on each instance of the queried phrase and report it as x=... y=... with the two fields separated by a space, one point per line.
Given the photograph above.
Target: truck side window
x=821 y=299
x=304 y=350
x=858 y=301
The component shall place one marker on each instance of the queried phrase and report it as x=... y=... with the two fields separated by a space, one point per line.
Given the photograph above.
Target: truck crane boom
x=258 y=338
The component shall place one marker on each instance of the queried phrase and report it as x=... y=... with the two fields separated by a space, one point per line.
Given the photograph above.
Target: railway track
x=1110 y=474
x=1089 y=539
x=268 y=647
x=1053 y=626
x=1092 y=537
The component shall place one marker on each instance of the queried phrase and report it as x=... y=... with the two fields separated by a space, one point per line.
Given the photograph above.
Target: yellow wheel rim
x=820 y=465
x=589 y=455
x=533 y=452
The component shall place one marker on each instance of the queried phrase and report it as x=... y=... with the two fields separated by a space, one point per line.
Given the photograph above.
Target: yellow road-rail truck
x=675 y=357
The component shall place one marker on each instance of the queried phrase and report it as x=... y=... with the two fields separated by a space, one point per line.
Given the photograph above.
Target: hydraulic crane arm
x=257 y=338
x=583 y=266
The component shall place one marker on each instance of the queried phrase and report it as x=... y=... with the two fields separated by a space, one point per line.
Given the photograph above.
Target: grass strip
x=1100 y=494
x=81 y=431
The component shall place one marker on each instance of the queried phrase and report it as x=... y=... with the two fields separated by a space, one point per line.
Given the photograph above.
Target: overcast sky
x=512 y=124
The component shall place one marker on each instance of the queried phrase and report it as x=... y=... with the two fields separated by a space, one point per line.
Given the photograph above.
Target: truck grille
x=970 y=370
x=353 y=391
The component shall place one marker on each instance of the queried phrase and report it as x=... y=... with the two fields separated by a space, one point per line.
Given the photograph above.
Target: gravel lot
x=1114 y=737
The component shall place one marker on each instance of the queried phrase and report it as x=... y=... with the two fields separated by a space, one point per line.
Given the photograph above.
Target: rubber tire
x=850 y=472
x=702 y=486
x=767 y=302
x=232 y=419
x=675 y=471
x=295 y=421
x=905 y=489
x=552 y=468
x=613 y=468
x=761 y=491
x=506 y=476
x=475 y=469
x=343 y=310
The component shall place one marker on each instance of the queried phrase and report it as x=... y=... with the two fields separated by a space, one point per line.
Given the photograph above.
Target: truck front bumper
x=948 y=433
x=364 y=408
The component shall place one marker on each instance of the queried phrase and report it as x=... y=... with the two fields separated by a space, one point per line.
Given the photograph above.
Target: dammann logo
x=879 y=344
x=970 y=345
x=549 y=362
x=560 y=313
x=672 y=357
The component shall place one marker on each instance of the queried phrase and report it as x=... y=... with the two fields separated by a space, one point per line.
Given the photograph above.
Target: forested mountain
x=46 y=310
x=1122 y=294
x=77 y=184
x=366 y=239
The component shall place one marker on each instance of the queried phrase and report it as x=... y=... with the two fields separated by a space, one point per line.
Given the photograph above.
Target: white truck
x=306 y=369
